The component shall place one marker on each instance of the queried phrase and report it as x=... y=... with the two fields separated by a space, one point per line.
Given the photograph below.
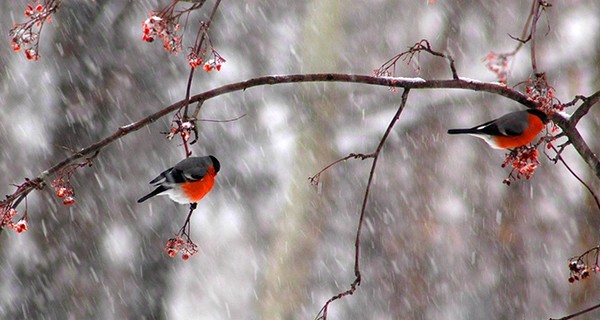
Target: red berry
x=61 y=192
x=147 y=38
x=185 y=256
x=70 y=200
x=15 y=46
x=30 y=54
x=21 y=226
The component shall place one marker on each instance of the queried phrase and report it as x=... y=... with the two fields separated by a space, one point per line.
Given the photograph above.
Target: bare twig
x=524 y=33
x=314 y=180
x=375 y=155
x=585 y=107
x=574 y=101
x=576 y=140
x=577 y=314
x=222 y=121
x=558 y=157
x=185 y=229
x=522 y=41
x=409 y=54
x=536 y=16
x=538 y=8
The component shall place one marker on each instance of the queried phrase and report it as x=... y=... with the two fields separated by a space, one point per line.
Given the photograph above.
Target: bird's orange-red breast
x=188 y=181
x=196 y=190
x=510 y=131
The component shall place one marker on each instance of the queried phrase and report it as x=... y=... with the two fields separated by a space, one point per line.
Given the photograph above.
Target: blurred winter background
x=443 y=239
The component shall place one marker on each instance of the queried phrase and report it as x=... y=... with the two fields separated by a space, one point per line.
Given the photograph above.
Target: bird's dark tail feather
x=156 y=191
x=462 y=131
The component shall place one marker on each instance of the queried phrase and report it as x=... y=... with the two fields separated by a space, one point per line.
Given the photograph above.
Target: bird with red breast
x=186 y=182
x=510 y=131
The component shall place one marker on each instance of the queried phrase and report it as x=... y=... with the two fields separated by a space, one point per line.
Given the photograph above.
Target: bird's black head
x=540 y=114
x=216 y=163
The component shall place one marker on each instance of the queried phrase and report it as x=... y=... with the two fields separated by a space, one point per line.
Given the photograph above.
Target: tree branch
x=589 y=189
x=408 y=83
x=577 y=314
x=375 y=155
x=203 y=29
x=570 y=131
x=585 y=107
x=315 y=180
x=532 y=35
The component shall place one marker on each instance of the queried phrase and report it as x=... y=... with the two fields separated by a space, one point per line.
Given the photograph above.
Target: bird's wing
x=161 y=177
x=191 y=169
x=512 y=124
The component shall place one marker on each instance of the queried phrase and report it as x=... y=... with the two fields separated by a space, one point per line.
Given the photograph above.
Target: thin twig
x=185 y=229
x=525 y=30
x=560 y=158
x=569 y=130
x=314 y=180
x=221 y=121
x=532 y=34
x=522 y=41
x=585 y=107
x=409 y=55
x=577 y=314
x=323 y=312
x=203 y=30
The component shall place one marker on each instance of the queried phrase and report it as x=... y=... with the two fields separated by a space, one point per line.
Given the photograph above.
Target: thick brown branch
x=407 y=83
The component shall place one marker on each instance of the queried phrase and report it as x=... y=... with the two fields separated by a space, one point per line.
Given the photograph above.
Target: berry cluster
x=6 y=220
x=164 y=24
x=8 y=206
x=164 y=28
x=579 y=270
x=213 y=63
x=539 y=91
x=64 y=190
x=26 y=35
x=187 y=248
x=498 y=64
x=203 y=53
x=523 y=162
x=183 y=128
x=62 y=185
